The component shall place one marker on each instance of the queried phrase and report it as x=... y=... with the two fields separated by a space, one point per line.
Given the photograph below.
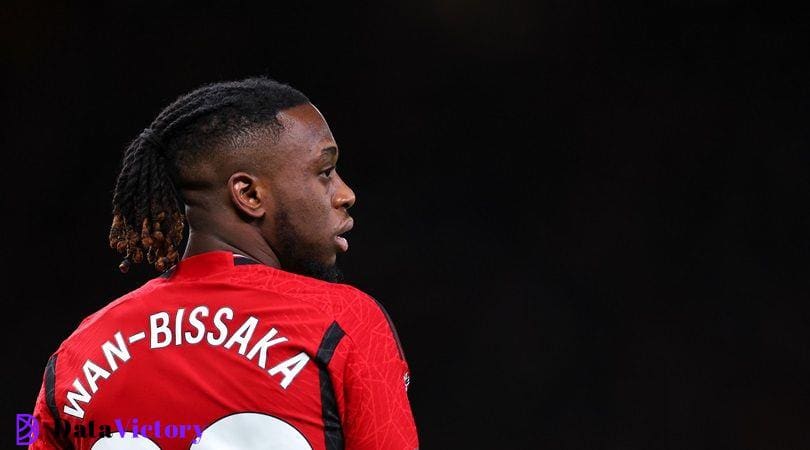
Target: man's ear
x=249 y=195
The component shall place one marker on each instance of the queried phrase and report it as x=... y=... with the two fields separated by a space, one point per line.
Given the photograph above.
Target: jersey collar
x=207 y=263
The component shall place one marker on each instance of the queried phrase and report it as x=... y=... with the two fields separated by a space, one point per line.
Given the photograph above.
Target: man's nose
x=344 y=197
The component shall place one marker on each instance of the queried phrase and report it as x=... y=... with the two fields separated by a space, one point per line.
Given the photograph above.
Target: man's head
x=252 y=163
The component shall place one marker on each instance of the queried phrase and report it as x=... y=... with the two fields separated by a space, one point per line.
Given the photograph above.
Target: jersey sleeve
x=48 y=439
x=377 y=412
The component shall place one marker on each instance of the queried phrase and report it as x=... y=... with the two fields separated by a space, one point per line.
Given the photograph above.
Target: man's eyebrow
x=328 y=152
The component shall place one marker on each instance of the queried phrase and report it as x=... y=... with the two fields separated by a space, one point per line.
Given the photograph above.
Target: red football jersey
x=223 y=352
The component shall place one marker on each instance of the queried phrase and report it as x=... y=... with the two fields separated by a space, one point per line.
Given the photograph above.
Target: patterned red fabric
x=320 y=362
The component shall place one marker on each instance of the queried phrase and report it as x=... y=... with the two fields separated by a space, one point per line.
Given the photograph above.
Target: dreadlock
x=148 y=221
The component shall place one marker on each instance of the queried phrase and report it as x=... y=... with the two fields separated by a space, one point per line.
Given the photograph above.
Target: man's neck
x=202 y=242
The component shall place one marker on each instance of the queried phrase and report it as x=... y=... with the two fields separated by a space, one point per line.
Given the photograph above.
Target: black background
x=589 y=221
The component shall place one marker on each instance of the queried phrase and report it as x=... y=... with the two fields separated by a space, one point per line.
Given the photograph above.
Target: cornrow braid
x=148 y=222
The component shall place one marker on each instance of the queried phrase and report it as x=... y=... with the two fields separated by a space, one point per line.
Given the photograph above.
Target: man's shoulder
x=349 y=306
x=355 y=311
x=346 y=303
x=360 y=314
x=337 y=298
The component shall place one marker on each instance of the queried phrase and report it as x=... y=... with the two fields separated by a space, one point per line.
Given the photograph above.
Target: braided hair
x=148 y=221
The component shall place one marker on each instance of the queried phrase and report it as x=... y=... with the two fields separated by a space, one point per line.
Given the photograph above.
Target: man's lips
x=341 y=241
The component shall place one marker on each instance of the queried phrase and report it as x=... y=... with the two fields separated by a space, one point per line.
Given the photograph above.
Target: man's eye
x=328 y=172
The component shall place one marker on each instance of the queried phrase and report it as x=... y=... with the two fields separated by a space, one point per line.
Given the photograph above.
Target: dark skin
x=279 y=201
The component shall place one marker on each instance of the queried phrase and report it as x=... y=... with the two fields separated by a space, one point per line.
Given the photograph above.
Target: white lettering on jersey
x=162 y=332
x=156 y=329
x=243 y=335
x=121 y=351
x=93 y=372
x=223 y=330
x=262 y=345
x=83 y=396
x=297 y=362
x=196 y=323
